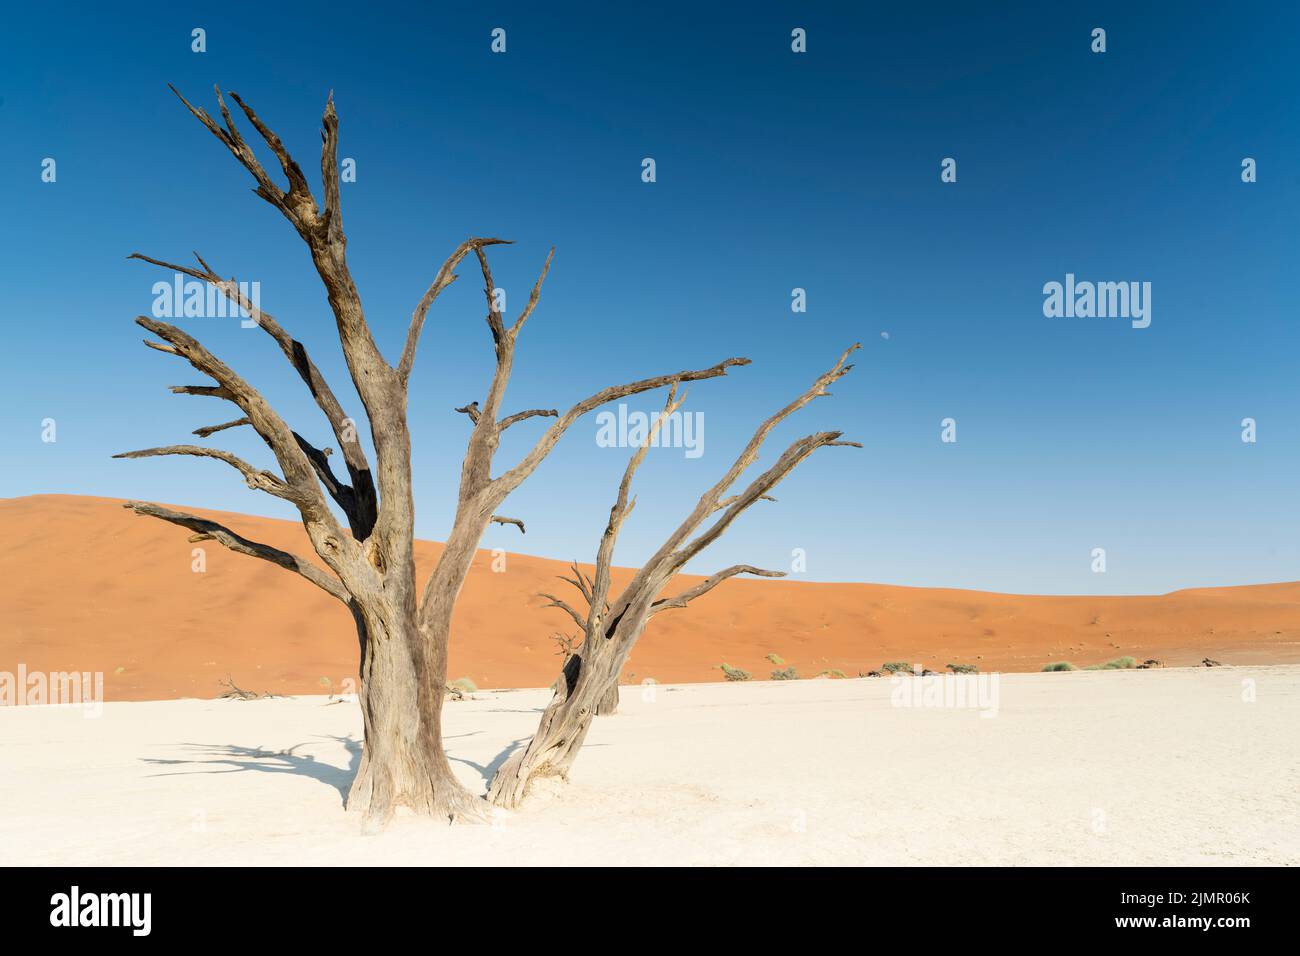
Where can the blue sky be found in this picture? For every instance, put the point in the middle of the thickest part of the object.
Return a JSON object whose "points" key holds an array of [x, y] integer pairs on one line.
{"points": [[774, 171]]}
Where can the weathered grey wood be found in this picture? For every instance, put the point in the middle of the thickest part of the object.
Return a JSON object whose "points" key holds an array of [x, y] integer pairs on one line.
{"points": [[212, 531], [208, 430], [256, 478], [531, 413], [358, 499], [708, 584], [445, 276], [588, 684]]}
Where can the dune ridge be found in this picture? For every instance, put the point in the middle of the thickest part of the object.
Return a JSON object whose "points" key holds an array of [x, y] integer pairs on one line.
{"points": [[88, 586]]}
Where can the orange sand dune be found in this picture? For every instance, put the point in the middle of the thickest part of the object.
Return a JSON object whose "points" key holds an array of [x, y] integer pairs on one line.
{"points": [[90, 586]]}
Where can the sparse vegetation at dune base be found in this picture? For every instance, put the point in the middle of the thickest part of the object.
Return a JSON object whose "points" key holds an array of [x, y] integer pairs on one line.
{"points": [[464, 684], [788, 672], [1118, 664], [1123, 663]]}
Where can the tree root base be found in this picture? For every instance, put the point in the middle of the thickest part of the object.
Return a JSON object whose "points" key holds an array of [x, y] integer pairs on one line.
{"points": [[467, 810]]}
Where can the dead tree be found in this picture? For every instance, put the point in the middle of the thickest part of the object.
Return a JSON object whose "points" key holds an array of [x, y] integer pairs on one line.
{"points": [[369, 566], [588, 685]]}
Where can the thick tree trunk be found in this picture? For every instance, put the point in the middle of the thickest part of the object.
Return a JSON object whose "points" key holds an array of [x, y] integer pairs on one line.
{"points": [[403, 764]]}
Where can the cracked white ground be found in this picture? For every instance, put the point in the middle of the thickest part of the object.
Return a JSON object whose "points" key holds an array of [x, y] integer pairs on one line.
{"points": [[1171, 766]]}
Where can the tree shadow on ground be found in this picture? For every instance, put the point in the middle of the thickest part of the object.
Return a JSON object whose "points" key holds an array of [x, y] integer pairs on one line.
{"points": [[234, 758], [488, 771]]}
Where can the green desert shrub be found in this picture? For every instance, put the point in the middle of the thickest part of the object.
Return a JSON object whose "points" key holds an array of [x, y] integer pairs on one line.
{"points": [[734, 673], [963, 668], [1118, 664], [832, 673], [787, 674], [464, 685], [1060, 666], [897, 667], [776, 659]]}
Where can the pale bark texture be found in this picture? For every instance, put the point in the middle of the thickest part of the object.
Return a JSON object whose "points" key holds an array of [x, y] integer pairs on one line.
{"points": [[403, 627], [588, 685]]}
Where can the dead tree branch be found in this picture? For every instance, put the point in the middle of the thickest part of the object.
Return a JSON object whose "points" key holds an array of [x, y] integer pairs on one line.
{"points": [[211, 530], [521, 416], [445, 276], [511, 479], [299, 474], [708, 584], [234, 692], [358, 499], [256, 478], [553, 601], [209, 430]]}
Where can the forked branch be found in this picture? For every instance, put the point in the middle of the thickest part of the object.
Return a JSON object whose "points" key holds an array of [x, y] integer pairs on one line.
{"points": [[357, 500], [757, 489], [579, 581], [299, 473], [708, 584], [445, 276], [373, 378], [553, 601], [667, 560], [511, 479], [623, 505]]}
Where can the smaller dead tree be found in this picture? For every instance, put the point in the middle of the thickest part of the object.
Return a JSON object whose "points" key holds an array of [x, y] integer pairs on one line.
{"points": [[588, 684]]}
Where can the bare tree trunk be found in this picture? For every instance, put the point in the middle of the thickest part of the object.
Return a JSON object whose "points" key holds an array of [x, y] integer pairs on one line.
{"points": [[581, 694], [403, 762]]}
